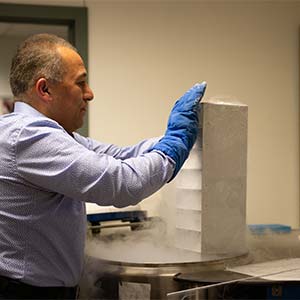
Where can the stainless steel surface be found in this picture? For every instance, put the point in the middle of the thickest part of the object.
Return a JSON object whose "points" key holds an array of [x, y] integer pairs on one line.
{"points": [[192, 291]]}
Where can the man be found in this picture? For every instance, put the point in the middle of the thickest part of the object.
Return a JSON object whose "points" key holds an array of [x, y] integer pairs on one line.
{"points": [[48, 171]]}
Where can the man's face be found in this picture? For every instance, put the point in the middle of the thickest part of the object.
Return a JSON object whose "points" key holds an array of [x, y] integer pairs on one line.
{"points": [[71, 96]]}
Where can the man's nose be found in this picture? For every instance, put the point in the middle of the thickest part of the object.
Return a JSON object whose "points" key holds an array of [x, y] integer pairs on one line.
{"points": [[88, 94]]}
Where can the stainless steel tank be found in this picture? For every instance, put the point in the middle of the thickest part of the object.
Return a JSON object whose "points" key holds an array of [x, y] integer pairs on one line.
{"points": [[116, 278], [137, 271], [123, 280]]}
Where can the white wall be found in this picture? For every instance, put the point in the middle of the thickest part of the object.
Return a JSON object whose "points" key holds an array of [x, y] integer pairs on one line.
{"points": [[145, 54]]}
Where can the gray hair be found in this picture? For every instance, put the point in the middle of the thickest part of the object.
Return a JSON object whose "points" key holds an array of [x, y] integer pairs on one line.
{"points": [[37, 57]]}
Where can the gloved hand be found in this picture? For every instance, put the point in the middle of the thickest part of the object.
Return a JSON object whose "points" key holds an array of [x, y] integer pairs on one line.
{"points": [[183, 127]]}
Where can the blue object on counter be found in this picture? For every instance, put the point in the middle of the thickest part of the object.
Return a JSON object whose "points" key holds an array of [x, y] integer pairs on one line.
{"points": [[134, 216], [275, 228]]}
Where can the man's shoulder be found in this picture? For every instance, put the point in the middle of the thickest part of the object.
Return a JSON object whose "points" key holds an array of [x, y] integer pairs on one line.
{"points": [[20, 125], [39, 122]]}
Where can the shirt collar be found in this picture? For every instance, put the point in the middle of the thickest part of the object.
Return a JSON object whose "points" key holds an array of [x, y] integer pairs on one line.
{"points": [[24, 108]]}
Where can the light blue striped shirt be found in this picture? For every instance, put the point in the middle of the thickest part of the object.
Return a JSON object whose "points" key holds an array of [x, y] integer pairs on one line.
{"points": [[46, 176]]}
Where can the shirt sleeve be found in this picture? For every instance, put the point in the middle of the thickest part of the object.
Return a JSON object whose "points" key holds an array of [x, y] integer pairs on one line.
{"points": [[49, 158], [115, 151]]}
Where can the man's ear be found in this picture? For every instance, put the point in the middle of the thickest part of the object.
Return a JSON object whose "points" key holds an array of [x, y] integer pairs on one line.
{"points": [[42, 90]]}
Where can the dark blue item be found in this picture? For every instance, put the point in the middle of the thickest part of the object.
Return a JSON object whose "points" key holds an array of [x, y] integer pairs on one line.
{"points": [[253, 288], [14, 289], [183, 127], [284, 290]]}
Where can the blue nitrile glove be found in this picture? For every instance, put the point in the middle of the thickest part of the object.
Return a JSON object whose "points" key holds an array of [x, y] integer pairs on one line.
{"points": [[183, 127]]}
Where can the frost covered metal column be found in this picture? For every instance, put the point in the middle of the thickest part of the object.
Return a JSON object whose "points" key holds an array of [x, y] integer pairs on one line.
{"points": [[224, 177], [215, 177]]}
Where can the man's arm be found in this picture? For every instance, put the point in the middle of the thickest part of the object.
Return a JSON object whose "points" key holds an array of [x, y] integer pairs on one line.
{"points": [[114, 150], [49, 158]]}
